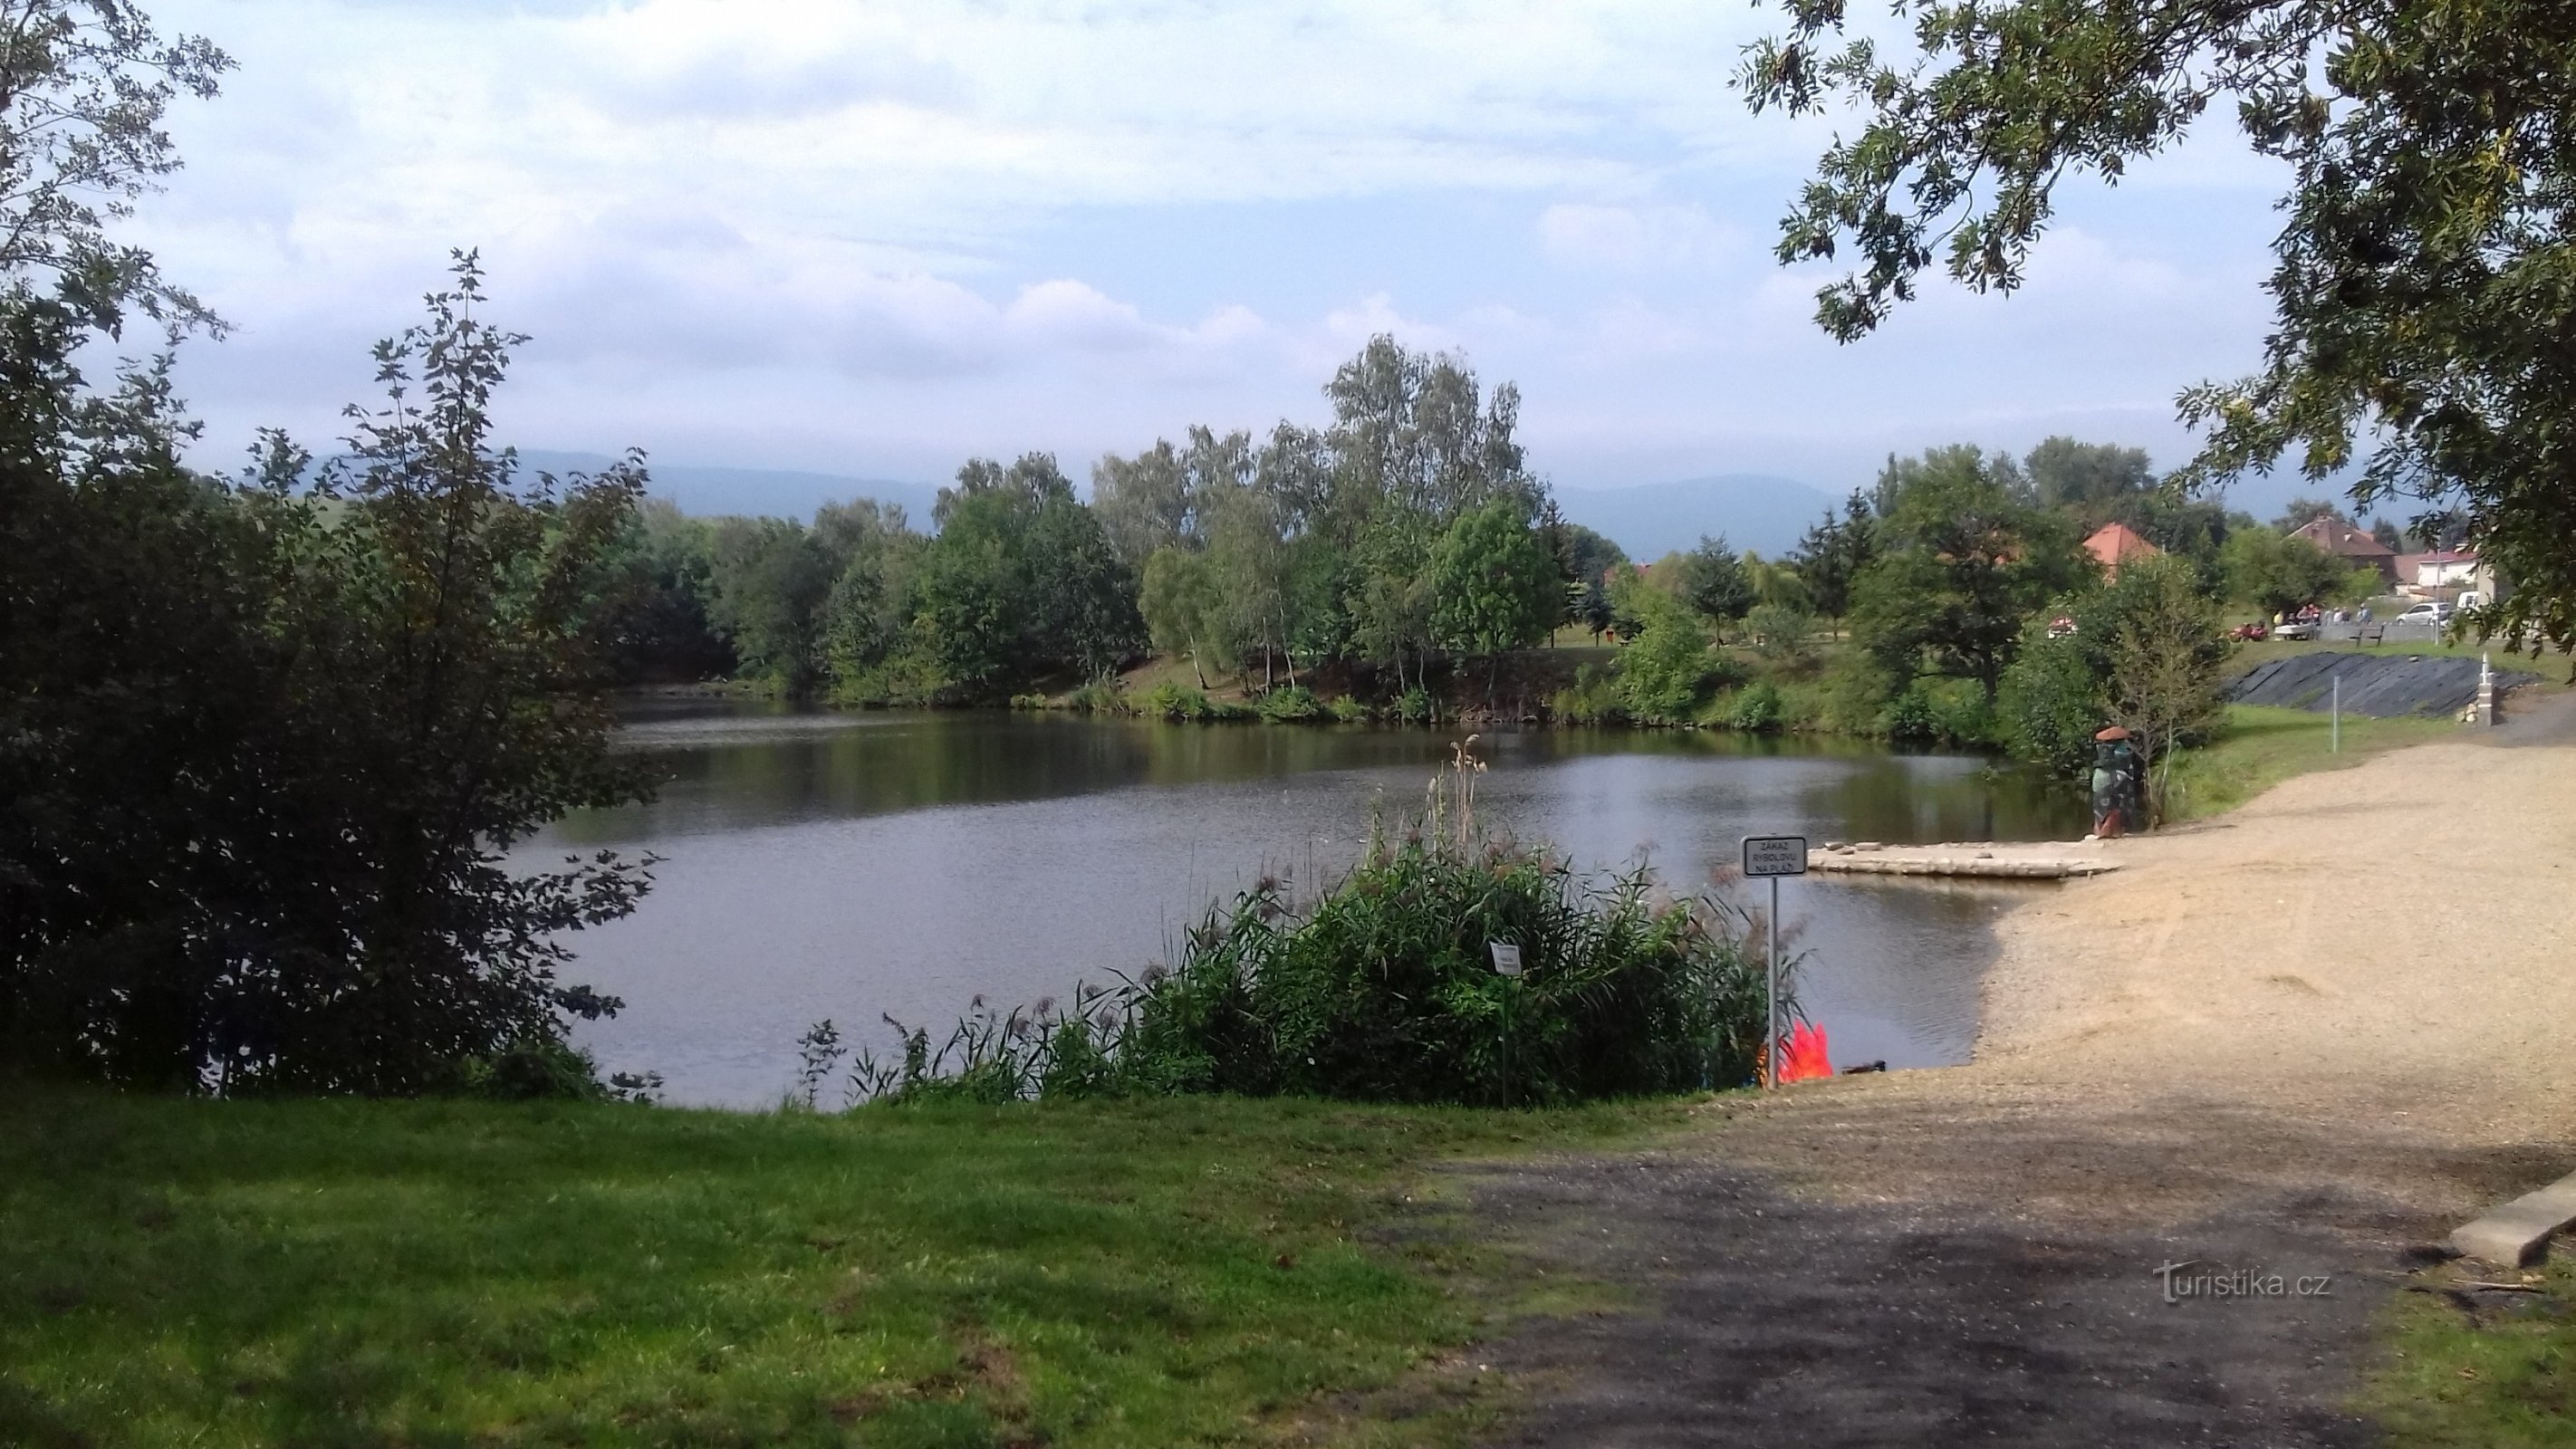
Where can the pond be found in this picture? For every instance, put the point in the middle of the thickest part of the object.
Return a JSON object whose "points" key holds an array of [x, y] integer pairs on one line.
{"points": [[860, 865]]}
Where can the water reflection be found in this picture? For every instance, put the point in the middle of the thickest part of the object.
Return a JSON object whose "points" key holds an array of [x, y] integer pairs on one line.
{"points": [[853, 864]]}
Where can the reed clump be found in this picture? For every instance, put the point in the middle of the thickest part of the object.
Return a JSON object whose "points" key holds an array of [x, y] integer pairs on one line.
{"points": [[1382, 988]]}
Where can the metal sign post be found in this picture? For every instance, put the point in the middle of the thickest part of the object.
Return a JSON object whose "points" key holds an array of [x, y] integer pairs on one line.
{"points": [[1507, 965], [1771, 857]]}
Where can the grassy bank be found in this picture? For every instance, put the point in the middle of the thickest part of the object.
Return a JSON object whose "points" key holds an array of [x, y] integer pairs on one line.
{"points": [[345, 1272], [2263, 746], [2496, 1374]]}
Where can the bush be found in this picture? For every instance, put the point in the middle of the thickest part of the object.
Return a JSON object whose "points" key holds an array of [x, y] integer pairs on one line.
{"points": [[1171, 701], [2052, 701], [1594, 699], [1351, 711], [1780, 634], [1962, 716], [1028, 701], [1664, 675], [1911, 715], [1383, 990], [1757, 710], [1101, 696], [1416, 706], [1292, 704]]}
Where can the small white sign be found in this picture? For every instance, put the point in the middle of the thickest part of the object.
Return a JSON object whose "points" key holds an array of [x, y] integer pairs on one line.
{"points": [[1775, 855], [1507, 958]]}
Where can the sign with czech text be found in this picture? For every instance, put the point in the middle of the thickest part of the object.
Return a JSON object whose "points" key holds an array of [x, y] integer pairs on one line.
{"points": [[1775, 855]]}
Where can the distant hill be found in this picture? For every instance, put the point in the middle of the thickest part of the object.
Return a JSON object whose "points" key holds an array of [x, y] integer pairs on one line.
{"points": [[1653, 519], [779, 494]]}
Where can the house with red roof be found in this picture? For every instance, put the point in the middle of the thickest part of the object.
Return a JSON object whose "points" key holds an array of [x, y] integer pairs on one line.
{"points": [[2114, 544], [2355, 545]]}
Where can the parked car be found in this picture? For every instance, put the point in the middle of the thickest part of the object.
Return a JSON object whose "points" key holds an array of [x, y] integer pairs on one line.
{"points": [[2432, 612], [2249, 631], [2295, 629]]}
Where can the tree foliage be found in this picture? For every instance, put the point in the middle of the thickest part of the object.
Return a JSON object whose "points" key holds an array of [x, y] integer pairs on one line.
{"points": [[1964, 561], [2425, 284]]}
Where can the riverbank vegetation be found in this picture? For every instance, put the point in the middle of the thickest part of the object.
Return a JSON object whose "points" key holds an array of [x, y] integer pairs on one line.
{"points": [[1383, 987], [179, 1271]]}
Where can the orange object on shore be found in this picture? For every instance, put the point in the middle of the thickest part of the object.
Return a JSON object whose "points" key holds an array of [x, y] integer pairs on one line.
{"points": [[1805, 1057]]}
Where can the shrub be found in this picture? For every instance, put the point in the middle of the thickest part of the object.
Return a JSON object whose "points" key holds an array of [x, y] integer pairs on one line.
{"points": [[1101, 696], [1028, 701], [1595, 698], [1961, 716], [1382, 990], [1171, 701], [1352, 711], [1292, 704], [1417, 707], [1757, 710], [1665, 673], [1911, 715]]}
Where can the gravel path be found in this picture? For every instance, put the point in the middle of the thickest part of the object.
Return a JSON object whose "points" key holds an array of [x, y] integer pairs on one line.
{"points": [[2305, 1039]]}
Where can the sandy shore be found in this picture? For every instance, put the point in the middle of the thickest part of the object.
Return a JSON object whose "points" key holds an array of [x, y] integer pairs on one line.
{"points": [[2308, 1038]]}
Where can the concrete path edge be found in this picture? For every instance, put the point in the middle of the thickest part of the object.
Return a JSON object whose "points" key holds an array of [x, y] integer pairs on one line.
{"points": [[2517, 1233]]}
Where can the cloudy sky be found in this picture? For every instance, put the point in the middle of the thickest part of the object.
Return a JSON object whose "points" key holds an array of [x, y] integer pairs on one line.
{"points": [[877, 238]]}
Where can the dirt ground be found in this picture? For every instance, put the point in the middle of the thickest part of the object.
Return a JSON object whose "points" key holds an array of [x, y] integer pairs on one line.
{"points": [[2259, 1048]]}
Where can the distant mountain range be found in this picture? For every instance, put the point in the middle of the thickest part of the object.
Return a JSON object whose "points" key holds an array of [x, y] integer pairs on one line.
{"points": [[1648, 520], [777, 493]]}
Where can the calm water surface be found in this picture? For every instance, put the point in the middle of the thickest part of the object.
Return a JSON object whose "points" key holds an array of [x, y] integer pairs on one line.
{"points": [[859, 865]]}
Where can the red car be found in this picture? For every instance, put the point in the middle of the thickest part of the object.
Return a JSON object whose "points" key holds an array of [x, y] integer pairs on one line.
{"points": [[2249, 631]]}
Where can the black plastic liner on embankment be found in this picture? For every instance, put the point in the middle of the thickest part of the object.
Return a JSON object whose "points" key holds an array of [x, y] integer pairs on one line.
{"points": [[2382, 686]]}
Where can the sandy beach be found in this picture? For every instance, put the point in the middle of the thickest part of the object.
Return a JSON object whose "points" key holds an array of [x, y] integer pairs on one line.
{"points": [[2310, 1036]]}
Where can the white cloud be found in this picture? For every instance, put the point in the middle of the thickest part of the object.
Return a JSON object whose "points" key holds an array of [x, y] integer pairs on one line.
{"points": [[1632, 239], [844, 236]]}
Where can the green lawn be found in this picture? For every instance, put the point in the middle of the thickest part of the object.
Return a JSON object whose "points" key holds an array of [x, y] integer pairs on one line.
{"points": [[422, 1273], [2505, 1379], [2263, 746]]}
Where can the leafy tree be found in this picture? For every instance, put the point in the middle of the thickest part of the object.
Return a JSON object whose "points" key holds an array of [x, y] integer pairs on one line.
{"points": [[1082, 605], [1415, 433], [1390, 596], [1835, 552], [2299, 512], [1965, 562], [1020, 579], [657, 622], [2065, 473], [445, 695], [1664, 666], [2278, 574], [397, 668], [1586, 558], [770, 581], [1494, 585], [2145, 652], [1144, 502], [2167, 662], [2426, 282], [2389, 535], [1183, 611], [1713, 581]]}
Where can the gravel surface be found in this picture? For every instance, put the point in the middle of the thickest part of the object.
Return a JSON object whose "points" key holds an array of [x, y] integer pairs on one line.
{"points": [[2304, 1039]]}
